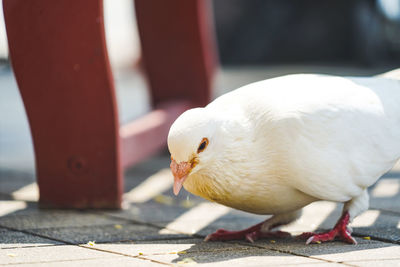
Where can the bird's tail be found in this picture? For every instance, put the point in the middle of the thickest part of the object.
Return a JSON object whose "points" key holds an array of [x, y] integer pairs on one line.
{"points": [[393, 74]]}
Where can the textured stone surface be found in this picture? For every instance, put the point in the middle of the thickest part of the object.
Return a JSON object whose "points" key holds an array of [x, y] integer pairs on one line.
{"points": [[104, 233], [375, 263], [178, 251], [241, 257], [172, 246], [33, 218], [50, 254], [98, 262], [151, 211], [15, 239], [338, 251], [385, 194], [11, 181], [158, 209]]}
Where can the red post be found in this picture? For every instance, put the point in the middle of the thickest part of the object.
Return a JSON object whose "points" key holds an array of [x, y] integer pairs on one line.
{"points": [[60, 61], [178, 49], [146, 135]]}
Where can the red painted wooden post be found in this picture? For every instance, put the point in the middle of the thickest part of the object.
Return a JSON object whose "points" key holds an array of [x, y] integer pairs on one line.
{"points": [[178, 48], [59, 57], [179, 55], [60, 62], [146, 135]]}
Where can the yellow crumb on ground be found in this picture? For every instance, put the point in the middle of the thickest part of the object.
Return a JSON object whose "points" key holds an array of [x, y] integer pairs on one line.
{"points": [[118, 226], [272, 241], [318, 242], [188, 261], [182, 252], [140, 253], [91, 243], [367, 237], [187, 203], [12, 255], [167, 200]]}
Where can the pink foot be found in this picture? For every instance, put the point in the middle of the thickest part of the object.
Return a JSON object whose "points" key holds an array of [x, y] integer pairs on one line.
{"points": [[250, 234], [341, 230]]}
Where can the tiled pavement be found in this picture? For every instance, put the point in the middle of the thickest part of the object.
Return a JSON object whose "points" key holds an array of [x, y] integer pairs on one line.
{"points": [[155, 228], [158, 228]]}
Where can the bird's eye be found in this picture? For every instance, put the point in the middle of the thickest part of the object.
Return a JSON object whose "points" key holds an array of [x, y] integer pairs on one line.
{"points": [[203, 145]]}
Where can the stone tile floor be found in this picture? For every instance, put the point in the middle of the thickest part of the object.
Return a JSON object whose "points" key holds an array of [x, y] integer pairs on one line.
{"points": [[155, 228]]}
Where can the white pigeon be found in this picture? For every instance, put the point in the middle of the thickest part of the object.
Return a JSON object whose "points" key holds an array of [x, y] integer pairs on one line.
{"points": [[275, 146]]}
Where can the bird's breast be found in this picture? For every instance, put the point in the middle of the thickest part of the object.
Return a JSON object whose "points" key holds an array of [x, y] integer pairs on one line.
{"points": [[259, 196]]}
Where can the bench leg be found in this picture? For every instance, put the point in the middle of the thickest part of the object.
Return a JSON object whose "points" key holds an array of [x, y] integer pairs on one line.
{"points": [[60, 61], [178, 49]]}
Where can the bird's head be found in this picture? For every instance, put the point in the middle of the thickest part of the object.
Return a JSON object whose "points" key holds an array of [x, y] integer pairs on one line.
{"points": [[192, 140]]}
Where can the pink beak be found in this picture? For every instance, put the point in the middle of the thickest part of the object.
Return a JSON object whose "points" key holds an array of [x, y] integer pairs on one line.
{"points": [[180, 171]]}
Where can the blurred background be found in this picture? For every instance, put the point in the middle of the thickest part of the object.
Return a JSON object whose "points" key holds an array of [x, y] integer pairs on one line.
{"points": [[256, 40], [268, 32], [362, 32]]}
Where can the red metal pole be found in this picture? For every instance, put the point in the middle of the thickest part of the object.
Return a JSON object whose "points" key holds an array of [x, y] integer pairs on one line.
{"points": [[60, 61]]}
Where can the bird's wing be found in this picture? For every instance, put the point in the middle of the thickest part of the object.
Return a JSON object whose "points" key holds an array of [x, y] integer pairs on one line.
{"points": [[334, 136]]}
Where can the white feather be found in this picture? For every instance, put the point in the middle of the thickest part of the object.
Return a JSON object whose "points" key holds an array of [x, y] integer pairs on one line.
{"points": [[279, 144]]}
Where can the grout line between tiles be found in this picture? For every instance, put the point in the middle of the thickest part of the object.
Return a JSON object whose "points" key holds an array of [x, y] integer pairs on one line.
{"points": [[33, 246], [82, 246], [126, 255]]}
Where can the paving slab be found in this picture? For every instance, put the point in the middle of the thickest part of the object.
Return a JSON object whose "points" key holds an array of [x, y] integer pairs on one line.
{"points": [[50, 254], [375, 263], [385, 194], [215, 253], [34, 218], [137, 174], [323, 215], [171, 246], [102, 262], [317, 216], [337, 251], [243, 257], [151, 212], [13, 180], [16, 239], [104, 233]]}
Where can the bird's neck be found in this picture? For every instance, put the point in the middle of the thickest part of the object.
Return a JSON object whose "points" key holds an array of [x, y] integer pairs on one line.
{"points": [[205, 186]]}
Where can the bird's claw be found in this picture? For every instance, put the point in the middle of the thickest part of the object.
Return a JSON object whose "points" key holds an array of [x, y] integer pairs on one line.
{"points": [[251, 237], [341, 230], [329, 236], [208, 238], [216, 235]]}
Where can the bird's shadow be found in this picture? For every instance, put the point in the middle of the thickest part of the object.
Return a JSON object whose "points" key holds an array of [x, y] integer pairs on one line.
{"points": [[368, 238], [212, 252]]}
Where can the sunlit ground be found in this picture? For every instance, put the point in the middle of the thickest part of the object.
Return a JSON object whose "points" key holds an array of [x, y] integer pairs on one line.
{"points": [[158, 226]]}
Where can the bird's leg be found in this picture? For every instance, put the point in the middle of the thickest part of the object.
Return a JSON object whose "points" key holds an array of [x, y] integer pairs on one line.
{"points": [[250, 234], [258, 231], [341, 230]]}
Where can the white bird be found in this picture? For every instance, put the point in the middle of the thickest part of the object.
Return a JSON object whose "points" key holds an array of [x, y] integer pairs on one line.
{"points": [[275, 146]]}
